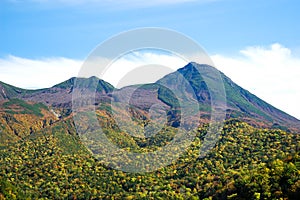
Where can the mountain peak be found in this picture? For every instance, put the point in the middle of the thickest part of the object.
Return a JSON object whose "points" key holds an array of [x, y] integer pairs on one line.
{"points": [[186, 83], [240, 102], [194, 65], [86, 83]]}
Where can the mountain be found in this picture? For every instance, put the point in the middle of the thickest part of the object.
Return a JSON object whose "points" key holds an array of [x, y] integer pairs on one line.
{"points": [[23, 112], [8, 91], [240, 103], [43, 157], [185, 85], [59, 95]]}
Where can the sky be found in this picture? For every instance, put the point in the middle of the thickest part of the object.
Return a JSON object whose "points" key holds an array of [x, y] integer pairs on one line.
{"points": [[255, 43]]}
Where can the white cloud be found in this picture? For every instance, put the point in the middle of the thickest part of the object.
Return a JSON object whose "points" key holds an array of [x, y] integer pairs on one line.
{"points": [[141, 67], [27, 73], [272, 73], [42, 73]]}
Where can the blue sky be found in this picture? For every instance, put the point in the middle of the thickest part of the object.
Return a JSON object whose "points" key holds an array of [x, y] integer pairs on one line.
{"points": [[41, 28], [256, 43]]}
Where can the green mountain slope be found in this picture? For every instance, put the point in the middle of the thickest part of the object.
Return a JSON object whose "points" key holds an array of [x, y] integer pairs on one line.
{"points": [[8, 91], [100, 85], [240, 102]]}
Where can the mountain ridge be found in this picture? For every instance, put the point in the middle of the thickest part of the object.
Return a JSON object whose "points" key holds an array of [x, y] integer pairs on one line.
{"points": [[241, 103]]}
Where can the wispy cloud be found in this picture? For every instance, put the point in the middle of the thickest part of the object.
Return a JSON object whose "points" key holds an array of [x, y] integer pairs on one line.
{"points": [[272, 73], [31, 74], [41, 73], [142, 67]]}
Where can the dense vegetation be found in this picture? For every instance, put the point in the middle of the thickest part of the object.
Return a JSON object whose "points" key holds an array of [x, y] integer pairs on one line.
{"points": [[247, 163], [22, 107]]}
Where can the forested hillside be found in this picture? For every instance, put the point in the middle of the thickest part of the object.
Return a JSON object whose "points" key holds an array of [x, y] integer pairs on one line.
{"points": [[247, 163], [46, 153]]}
